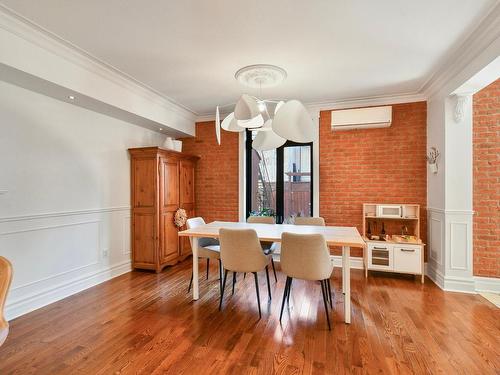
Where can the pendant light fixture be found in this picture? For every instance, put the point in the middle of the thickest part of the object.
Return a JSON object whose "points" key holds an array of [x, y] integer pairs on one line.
{"points": [[290, 120]]}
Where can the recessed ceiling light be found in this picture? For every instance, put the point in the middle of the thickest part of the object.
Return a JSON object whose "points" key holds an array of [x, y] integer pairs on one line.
{"points": [[71, 97], [161, 129]]}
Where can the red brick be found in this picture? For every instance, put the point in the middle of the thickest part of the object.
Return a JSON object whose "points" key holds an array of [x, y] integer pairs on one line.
{"points": [[486, 185]]}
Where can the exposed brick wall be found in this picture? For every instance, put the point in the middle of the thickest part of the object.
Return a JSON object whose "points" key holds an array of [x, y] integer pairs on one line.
{"points": [[373, 166], [356, 167], [216, 173], [486, 172]]}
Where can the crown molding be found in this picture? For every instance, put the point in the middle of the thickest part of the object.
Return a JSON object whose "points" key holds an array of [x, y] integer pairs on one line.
{"points": [[36, 35], [483, 37], [365, 101], [315, 107]]}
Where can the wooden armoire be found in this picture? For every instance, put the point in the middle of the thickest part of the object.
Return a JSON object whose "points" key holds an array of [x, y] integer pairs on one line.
{"points": [[162, 181]]}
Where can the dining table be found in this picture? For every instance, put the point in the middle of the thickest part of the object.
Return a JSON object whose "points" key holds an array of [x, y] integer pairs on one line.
{"points": [[344, 237]]}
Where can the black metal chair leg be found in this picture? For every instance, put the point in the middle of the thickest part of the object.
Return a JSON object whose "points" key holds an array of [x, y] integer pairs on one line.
{"points": [[274, 270], [330, 293], [222, 291], [220, 274], [234, 282], [190, 282], [257, 289], [324, 292], [208, 266], [268, 283], [285, 292], [289, 291]]}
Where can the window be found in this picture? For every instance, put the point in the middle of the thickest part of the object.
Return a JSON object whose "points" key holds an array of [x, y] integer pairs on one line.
{"points": [[279, 182]]}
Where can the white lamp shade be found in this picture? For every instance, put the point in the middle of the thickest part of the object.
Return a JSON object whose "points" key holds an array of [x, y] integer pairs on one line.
{"points": [[255, 122], [267, 127], [246, 108], [230, 124], [267, 140], [278, 106], [217, 125], [294, 123]]}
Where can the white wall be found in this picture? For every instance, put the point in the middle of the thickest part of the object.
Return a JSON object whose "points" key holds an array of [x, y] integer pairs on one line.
{"points": [[64, 196]]}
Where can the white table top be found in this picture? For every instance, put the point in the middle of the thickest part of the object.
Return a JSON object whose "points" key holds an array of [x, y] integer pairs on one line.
{"points": [[334, 236]]}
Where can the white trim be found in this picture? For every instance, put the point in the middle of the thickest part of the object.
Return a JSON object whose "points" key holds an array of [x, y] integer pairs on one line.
{"points": [[45, 215], [241, 176], [34, 33], [49, 227], [355, 262], [487, 284], [480, 38], [64, 69], [316, 107], [366, 101], [456, 212], [483, 36], [50, 295], [474, 284], [315, 164]]}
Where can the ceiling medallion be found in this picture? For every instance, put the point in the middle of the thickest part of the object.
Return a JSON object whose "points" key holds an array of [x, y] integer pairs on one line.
{"points": [[275, 120], [260, 76]]}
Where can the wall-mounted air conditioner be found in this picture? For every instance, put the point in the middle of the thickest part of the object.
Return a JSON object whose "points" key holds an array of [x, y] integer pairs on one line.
{"points": [[362, 118]]}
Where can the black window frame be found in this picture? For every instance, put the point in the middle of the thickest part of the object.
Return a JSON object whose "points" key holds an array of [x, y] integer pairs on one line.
{"points": [[280, 180]]}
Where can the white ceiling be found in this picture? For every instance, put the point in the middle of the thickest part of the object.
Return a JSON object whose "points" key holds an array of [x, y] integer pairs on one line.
{"points": [[332, 49]]}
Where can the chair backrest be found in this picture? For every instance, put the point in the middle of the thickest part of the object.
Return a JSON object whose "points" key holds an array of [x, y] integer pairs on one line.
{"points": [[305, 256], [194, 222], [202, 241], [5, 280], [240, 250], [302, 220], [261, 220]]}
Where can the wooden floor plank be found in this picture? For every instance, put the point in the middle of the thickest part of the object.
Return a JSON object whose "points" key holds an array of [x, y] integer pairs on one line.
{"points": [[146, 323]]}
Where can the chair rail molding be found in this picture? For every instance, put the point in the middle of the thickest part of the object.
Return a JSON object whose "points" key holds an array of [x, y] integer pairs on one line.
{"points": [[57, 254]]}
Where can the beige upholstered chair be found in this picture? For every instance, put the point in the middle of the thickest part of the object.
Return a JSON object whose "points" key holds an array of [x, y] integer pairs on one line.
{"points": [[5, 280], [306, 257], [302, 220], [208, 248], [240, 251], [267, 246], [261, 219]]}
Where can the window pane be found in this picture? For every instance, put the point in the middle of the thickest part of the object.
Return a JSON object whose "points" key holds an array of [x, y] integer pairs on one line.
{"points": [[297, 182], [263, 182]]}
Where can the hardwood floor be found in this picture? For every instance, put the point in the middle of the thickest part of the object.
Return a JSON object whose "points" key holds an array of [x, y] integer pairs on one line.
{"points": [[146, 323]]}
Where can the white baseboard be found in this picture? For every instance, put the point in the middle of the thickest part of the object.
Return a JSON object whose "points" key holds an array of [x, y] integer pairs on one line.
{"points": [[356, 262], [474, 284], [53, 294], [487, 284]]}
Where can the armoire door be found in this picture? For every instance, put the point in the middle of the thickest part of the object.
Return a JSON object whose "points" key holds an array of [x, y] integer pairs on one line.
{"points": [[143, 212], [169, 203], [187, 199]]}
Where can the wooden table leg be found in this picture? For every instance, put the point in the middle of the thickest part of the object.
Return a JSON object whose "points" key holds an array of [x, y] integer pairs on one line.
{"points": [[346, 273], [196, 293]]}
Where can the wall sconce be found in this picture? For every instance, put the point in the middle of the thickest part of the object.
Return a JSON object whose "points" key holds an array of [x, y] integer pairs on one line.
{"points": [[432, 158]]}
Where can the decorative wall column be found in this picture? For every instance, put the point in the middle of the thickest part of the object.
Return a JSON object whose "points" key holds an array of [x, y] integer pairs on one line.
{"points": [[450, 194], [458, 193]]}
